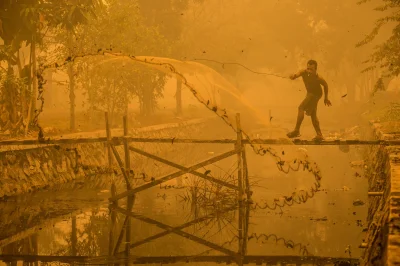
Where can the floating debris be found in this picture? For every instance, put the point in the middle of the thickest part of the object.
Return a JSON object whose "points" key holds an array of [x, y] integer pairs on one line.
{"points": [[357, 163], [319, 219], [358, 202], [345, 188]]}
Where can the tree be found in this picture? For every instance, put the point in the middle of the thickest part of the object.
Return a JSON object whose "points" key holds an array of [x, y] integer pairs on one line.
{"points": [[167, 15], [79, 13], [109, 84], [386, 54], [19, 23], [27, 22]]}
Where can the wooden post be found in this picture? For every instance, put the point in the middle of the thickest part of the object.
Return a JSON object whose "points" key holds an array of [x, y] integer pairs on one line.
{"points": [[246, 173], [126, 149], [246, 228], [130, 203], [108, 139], [113, 220], [239, 147]]}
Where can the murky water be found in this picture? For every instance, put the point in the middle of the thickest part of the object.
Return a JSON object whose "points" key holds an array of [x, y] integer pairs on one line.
{"points": [[77, 220]]}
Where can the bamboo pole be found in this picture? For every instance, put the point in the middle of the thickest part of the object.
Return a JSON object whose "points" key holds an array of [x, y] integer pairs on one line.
{"points": [[112, 221], [253, 259], [181, 227], [180, 167], [121, 165], [246, 173], [126, 148], [246, 229], [239, 148], [178, 232], [129, 199], [173, 175], [121, 236], [108, 132], [110, 148], [125, 227], [130, 203], [120, 140], [282, 141]]}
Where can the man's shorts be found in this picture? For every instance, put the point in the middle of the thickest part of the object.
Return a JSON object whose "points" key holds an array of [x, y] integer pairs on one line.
{"points": [[310, 103]]}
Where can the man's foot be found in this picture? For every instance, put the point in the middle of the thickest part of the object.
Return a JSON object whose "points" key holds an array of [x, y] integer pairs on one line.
{"points": [[318, 138], [293, 134]]}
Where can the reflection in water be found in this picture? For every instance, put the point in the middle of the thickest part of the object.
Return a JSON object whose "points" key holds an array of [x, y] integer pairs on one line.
{"points": [[116, 234], [200, 223], [263, 238]]}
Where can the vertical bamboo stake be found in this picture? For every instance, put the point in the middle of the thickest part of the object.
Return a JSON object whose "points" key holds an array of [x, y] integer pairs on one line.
{"points": [[245, 213], [108, 139], [130, 200], [130, 203], [126, 149], [112, 221], [239, 147], [246, 229], [246, 173]]}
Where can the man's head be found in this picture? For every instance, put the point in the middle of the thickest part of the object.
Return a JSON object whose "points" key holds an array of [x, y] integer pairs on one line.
{"points": [[312, 66]]}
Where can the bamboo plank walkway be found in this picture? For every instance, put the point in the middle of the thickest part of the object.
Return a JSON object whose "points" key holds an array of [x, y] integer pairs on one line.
{"points": [[120, 140], [270, 260]]}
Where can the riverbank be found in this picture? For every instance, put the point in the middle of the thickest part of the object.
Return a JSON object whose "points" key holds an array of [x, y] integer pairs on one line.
{"points": [[382, 242], [36, 167]]}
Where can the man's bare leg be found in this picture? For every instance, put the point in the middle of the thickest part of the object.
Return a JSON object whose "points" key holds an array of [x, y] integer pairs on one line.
{"points": [[315, 122], [300, 118]]}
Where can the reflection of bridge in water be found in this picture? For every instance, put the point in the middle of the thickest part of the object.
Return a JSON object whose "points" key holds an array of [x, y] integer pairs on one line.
{"points": [[122, 250]]}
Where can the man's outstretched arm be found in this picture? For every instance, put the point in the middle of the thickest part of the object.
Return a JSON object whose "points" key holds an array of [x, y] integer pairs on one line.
{"points": [[326, 91], [298, 74]]}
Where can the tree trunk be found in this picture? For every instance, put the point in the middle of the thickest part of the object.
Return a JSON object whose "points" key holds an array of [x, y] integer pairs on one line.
{"points": [[108, 104], [71, 96], [49, 84], [363, 84], [74, 237], [113, 103], [33, 85], [351, 91], [147, 102], [178, 96], [34, 78], [12, 95], [23, 89], [386, 81], [71, 86], [126, 102]]}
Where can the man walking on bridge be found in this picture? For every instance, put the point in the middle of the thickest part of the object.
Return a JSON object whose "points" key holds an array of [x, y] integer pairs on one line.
{"points": [[313, 83]]}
